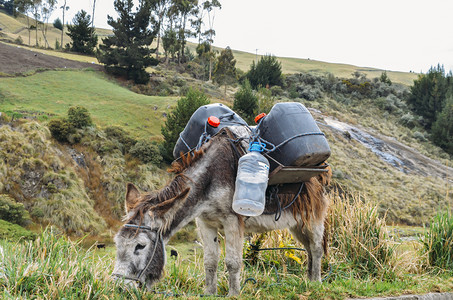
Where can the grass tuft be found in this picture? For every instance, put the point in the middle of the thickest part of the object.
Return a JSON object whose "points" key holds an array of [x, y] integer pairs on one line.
{"points": [[359, 237], [438, 241]]}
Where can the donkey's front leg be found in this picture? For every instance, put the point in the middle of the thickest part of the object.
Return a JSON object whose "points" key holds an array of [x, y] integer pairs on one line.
{"points": [[234, 239], [208, 235]]}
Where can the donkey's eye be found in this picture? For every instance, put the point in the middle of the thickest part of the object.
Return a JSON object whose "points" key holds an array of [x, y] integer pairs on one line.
{"points": [[138, 248]]}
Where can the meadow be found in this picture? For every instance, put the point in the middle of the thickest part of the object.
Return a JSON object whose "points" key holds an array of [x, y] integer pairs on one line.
{"points": [[364, 261], [48, 94]]}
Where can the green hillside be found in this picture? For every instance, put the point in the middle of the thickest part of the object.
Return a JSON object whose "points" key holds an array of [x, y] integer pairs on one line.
{"points": [[14, 28], [52, 93]]}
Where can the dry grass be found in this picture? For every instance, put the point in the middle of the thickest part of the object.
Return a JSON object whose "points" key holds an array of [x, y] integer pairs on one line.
{"points": [[38, 175]]}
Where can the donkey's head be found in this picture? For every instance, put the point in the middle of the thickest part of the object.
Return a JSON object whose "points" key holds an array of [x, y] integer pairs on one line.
{"points": [[140, 255]]}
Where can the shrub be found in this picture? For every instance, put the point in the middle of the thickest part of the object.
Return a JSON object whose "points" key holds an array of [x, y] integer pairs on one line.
{"points": [[79, 117], [119, 134], [147, 152], [12, 211], [408, 120], [14, 232], [384, 78], [60, 129], [246, 102], [265, 101], [419, 136], [19, 41], [438, 241]]}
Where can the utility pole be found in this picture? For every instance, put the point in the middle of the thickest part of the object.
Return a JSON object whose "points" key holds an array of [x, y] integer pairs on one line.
{"points": [[256, 56]]}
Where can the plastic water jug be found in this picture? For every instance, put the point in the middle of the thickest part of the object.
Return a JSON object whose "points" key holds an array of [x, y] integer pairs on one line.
{"points": [[191, 134], [251, 183], [292, 122]]}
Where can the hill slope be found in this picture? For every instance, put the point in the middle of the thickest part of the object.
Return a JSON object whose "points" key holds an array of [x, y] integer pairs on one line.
{"points": [[13, 28], [407, 193]]}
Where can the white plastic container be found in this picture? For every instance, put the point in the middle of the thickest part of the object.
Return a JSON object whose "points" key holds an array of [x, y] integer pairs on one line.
{"points": [[251, 183]]}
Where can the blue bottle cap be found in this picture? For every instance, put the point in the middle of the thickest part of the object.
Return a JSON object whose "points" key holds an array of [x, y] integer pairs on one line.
{"points": [[255, 146]]}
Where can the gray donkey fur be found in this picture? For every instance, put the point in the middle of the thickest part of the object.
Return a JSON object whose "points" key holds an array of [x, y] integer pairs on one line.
{"points": [[203, 189]]}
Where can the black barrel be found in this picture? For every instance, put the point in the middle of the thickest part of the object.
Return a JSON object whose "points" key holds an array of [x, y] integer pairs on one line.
{"points": [[292, 122], [190, 136]]}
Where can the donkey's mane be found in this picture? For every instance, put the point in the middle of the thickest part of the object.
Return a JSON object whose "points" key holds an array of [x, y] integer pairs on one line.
{"points": [[172, 189], [185, 161]]}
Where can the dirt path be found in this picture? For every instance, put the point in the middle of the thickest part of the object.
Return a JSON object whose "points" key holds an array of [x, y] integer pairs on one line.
{"points": [[17, 60]]}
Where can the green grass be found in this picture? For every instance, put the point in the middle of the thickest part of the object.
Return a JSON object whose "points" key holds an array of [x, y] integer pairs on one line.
{"points": [[438, 241], [53, 92], [59, 268]]}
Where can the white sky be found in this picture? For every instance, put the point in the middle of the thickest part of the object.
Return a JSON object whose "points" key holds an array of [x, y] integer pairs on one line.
{"points": [[398, 35]]}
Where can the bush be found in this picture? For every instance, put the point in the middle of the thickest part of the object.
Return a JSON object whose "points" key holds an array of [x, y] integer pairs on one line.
{"points": [[12, 211], [438, 241], [19, 41], [246, 102], [147, 152], [14, 232], [79, 117], [419, 136], [60, 129], [119, 134], [408, 120], [265, 101]]}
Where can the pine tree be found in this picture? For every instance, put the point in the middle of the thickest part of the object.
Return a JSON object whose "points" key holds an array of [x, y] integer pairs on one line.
{"points": [[428, 94], [178, 118], [127, 52], [267, 72], [225, 70], [83, 37], [442, 131]]}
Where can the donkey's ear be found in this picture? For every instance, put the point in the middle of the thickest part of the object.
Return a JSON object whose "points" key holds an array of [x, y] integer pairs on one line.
{"points": [[170, 206], [132, 196]]}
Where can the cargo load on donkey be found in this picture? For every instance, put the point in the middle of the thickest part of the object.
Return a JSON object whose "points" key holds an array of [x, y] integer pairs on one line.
{"points": [[285, 149]]}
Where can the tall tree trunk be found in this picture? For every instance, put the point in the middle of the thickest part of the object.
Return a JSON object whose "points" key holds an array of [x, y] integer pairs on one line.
{"points": [[36, 32], [44, 34], [158, 42], [92, 18], [62, 30], [210, 67], [29, 31]]}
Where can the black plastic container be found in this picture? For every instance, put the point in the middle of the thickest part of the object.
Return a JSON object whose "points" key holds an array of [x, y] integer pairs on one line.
{"points": [[198, 122], [287, 120]]}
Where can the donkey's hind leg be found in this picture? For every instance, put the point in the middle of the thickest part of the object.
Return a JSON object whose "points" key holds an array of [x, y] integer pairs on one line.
{"points": [[211, 252], [312, 239]]}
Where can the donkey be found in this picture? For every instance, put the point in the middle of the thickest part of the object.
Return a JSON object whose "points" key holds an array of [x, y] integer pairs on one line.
{"points": [[203, 189]]}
